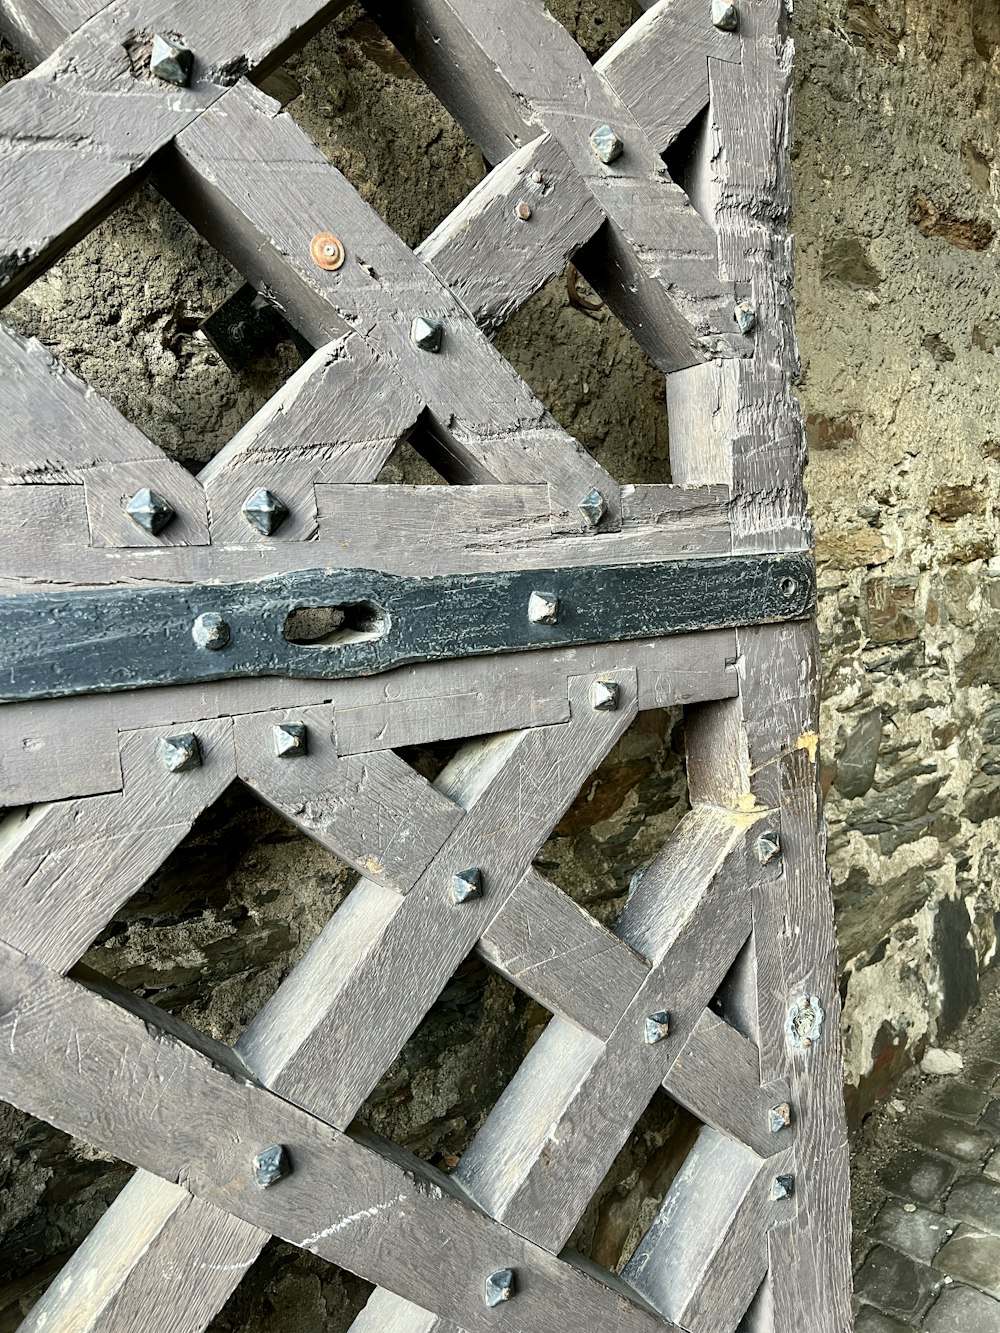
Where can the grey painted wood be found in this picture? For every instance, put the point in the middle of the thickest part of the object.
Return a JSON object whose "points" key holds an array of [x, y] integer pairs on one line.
{"points": [[37, 27], [66, 868], [388, 957], [71, 1054], [554, 950], [254, 183]]}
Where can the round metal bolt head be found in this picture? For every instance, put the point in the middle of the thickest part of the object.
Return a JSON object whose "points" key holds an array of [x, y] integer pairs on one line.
{"points": [[725, 15], [537, 177], [170, 61], [210, 631], [768, 847], [149, 511], [265, 512], [606, 145], [657, 1027], [523, 210], [605, 696], [467, 885], [543, 608], [782, 1187], [180, 753], [746, 318], [500, 1287], [327, 251], [427, 334], [779, 1118], [271, 1165], [291, 740], [593, 507]]}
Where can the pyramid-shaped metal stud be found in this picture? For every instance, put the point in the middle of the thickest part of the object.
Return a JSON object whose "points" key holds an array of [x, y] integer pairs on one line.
{"points": [[605, 696], [291, 740], [657, 1027], [149, 511], [779, 1118], [768, 847], [500, 1287], [271, 1165], [467, 885], [180, 753], [265, 511], [782, 1187], [427, 334], [170, 61], [606, 145], [746, 318], [593, 507], [725, 15], [543, 608], [210, 632]]}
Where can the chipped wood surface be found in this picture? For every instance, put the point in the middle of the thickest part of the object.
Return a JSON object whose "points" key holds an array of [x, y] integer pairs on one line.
{"points": [[705, 936]]}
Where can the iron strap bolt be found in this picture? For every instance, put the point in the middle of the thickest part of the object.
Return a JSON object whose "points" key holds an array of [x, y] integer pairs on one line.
{"points": [[605, 144], [605, 696], [467, 885], [593, 507], [291, 740], [779, 1118], [170, 61], [500, 1287], [210, 632], [271, 1165], [149, 511], [427, 334], [725, 15], [180, 753], [327, 251], [543, 608], [768, 847], [782, 1187], [657, 1027], [265, 512]]}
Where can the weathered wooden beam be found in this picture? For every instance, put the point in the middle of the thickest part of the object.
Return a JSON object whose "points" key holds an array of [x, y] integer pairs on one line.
{"points": [[37, 27], [78, 1060], [233, 175]]}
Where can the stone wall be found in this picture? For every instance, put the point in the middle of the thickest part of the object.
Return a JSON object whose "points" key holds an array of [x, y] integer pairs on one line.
{"points": [[899, 320]]}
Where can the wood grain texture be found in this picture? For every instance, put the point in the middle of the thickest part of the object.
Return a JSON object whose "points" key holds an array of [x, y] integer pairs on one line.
{"points": [[37, 27], [254, 184], [360, 1204], [66, 868]]}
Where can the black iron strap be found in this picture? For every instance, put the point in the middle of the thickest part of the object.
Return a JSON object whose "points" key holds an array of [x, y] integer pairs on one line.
{"points": [[84, 642]]}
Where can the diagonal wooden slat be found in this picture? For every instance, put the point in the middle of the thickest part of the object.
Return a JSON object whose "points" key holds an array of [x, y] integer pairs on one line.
{"points": [[208, 1123], [257, 187]]}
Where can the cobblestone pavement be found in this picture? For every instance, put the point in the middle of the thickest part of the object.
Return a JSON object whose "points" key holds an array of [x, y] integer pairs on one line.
{"points": [[927, 1197]]}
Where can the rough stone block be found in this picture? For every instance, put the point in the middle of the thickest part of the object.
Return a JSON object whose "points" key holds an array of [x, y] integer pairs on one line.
{"points": [[951, 1137], [962, 1310], [991, 1116], [961, 1100], [918, 1176], [977, 1200], [972, 1256], [870, 1320], [891, 610], [919, 1233], [896, 1284]]}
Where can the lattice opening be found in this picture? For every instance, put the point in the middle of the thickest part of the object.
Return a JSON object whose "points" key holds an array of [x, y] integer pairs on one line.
{"points": [[594, 30]]}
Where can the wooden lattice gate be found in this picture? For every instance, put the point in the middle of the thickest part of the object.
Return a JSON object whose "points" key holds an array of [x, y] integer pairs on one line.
{"points": [[718, 982]]}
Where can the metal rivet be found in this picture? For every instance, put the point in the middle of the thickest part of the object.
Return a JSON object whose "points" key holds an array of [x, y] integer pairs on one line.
{"points": [[725, 15], [537, 177], [782, 1187], [768, 847], [271, 1165], [779, 1118], [327, 251], [500, 1287], [180, 753], [523, 211], [543, 608], [746, 318], [426, 334], [265, 511], [170, 61], [805, 1022], [149, 511], [593, 507], [291, 740], [210, 631], [467, 885], [605, 696], [657, 1027], [605, 144]]}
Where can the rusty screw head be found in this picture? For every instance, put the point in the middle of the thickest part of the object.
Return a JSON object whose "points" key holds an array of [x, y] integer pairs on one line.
{"points": [[327, 251], [523, 210]]}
